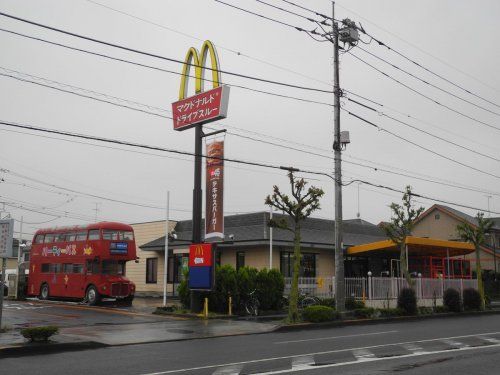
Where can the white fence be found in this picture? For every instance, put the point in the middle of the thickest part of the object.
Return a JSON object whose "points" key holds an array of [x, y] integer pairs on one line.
{"points": [[379, 288]]}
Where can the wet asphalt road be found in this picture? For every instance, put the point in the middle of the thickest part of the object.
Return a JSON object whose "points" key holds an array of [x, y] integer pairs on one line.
{"points": [[461, 345]]}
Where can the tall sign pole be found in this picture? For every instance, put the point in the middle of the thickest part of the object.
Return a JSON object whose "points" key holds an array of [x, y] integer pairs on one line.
{"points": [[6, 241], [165, 264], [339, 252]]}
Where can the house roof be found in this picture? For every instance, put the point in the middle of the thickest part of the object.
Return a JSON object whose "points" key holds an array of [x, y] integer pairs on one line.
{"points": [[462, 216], [252, 230]]}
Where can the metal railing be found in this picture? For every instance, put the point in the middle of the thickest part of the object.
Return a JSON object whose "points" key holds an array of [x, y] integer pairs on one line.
{"points": [[379, 288]]}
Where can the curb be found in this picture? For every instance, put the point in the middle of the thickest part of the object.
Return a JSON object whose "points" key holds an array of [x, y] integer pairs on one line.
{"points": [[355, 322], [47, 348]]}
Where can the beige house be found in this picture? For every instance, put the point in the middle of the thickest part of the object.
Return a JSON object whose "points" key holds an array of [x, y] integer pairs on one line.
{"points": [[247, 243], [441, 222]]}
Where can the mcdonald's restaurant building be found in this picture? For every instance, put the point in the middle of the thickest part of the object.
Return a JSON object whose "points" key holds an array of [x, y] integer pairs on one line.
{"points": [[247, 243]]}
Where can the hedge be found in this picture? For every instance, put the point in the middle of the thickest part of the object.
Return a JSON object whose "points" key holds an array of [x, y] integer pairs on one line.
{"points": [[451, 299], [472, 299], [407, 301], [318, 314], [39, 333]]}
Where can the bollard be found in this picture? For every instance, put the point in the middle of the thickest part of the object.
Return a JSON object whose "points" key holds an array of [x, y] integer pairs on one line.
{"points": [[230, 307], [205, 309]]}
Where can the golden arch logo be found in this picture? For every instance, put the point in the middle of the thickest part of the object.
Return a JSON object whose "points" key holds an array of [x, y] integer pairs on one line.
{"points": [[204, 106], [198, 60], [198, 251]]}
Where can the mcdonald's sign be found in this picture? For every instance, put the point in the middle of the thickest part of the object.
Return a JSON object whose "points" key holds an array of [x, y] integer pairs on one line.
{"points": [[200, 255], [204, 106]]}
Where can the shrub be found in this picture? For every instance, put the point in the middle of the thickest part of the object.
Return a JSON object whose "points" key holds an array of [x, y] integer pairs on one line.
{"points": [[270, 286], [225, 285], [330, 302], [424, 310], [390, 312], [245, 277], [407, 301], [184, 292], [472, 299], [451, 299], [441, 309], [317, 314], [353, 304], [39, 333], [364, 313]]}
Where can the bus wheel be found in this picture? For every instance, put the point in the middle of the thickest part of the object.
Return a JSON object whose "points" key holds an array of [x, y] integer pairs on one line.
{"points": [[92, 296], [44, 291]]}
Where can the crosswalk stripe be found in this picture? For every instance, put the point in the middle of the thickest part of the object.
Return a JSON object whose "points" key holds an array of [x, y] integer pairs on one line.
{"points": [[455, 344], [490, 340], [228, 370], [414, 348], [302, 362], [363, 355]]}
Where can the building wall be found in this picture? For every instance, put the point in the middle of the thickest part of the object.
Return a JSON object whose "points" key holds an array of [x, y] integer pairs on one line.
{"points": [[144, 233], [445, 228]]}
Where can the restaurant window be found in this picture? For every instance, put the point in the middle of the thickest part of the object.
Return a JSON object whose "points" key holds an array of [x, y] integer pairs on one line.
{"points": [[240, 259], [151, 270], [307, 264]]}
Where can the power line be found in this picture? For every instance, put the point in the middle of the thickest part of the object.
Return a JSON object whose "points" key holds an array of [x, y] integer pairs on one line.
{"points": [[236, 52], [420, 146], [149, 54], [423, 131], [160, 69], [423, 95], [263, 165], [428, 83]]}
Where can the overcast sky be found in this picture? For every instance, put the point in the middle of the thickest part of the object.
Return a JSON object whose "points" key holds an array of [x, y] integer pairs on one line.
{"points": [[455, 39]]}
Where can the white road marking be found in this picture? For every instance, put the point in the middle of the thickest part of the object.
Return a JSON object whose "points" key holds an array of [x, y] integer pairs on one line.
{"points": [[334, 351], [363, 355], [491, 340], [228, 370], [455, 344], [335, 337], [303, 361], [23, 306], [378, 359], [414, 348]]}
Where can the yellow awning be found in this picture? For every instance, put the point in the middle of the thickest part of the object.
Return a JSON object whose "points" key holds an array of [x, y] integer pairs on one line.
{"points": [[417, 246]]}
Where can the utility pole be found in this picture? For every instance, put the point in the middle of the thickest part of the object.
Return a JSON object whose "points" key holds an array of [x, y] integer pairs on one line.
{"points": [[165, 265], [339, 251], [19, 257]]}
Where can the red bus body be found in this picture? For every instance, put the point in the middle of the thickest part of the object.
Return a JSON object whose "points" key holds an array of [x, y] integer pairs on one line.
{"points": [[71, 260]]}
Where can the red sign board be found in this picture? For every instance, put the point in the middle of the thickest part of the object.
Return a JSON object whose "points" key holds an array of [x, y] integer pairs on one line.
{"points": [[200, 255], [214, 212], [201, 108]]}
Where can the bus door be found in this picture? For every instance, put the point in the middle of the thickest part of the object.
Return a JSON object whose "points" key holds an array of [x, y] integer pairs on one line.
{"points": [[54, 279], [75, 280]]}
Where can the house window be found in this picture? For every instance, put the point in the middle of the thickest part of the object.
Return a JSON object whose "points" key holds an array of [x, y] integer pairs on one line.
{"points": [[307, 264], [437, 216], [240, 259], [151, 270]]}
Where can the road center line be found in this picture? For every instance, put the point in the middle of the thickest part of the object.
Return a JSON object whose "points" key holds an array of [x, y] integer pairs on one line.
{"points": [[334, 351], [335, 337]]}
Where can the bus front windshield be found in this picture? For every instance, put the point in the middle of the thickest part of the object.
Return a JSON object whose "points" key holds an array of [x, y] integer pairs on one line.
{"points": [[113, 267]]}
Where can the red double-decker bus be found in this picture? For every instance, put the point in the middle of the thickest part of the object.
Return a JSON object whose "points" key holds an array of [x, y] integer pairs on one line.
{"points": [[82, 262]]}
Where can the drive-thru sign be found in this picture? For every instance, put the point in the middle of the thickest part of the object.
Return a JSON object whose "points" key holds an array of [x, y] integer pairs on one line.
{"points": [[201, 266]]}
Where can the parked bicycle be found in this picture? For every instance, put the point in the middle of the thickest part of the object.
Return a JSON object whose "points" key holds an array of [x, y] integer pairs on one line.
{"points": [[251, 304], [304, 300]]}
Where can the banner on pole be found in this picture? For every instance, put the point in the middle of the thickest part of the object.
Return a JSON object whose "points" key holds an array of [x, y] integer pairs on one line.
{"points": [[6, 238], [214, 210]]}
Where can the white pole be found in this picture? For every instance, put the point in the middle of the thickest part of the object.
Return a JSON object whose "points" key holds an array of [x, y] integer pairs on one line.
{"points": [[270, 240], [18, 276], [165, 265]]}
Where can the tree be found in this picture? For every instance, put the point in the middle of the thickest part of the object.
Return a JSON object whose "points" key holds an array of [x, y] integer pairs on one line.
{"points": [[299, 207], [477, 236], [400, 227]]}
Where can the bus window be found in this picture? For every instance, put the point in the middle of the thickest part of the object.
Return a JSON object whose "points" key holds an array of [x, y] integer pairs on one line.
{"points": [[39, 238], [81, 236], [94, 234], [55, 268], [71, 237], [92, 266], [67, 268], [45, 267], [126, 236], [110, 235], [61, 237], [49, 238], [77, 268], [113, 267]]}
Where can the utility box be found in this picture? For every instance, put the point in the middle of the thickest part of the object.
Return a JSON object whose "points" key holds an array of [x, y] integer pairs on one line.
{"points": [[344, 138], [349, 35]]}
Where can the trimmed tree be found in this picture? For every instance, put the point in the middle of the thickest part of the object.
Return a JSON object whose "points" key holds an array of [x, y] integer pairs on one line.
{"points": [[299, 207], [400, 227], [476, 236]]}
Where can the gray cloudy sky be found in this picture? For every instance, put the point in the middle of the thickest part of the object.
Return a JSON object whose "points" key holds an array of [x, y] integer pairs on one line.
{"points": [[463, 35]]}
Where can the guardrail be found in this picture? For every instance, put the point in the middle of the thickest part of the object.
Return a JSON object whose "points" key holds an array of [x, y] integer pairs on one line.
{"points": [[379, 288]]}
